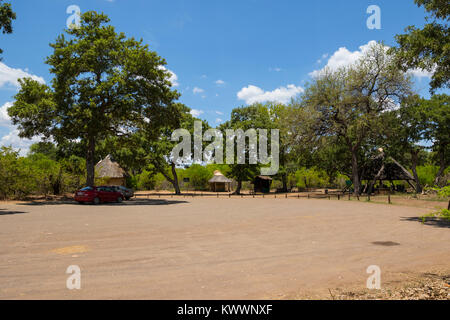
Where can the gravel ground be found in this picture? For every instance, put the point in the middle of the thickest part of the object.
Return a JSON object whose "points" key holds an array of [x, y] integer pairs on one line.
{"points": [[428, 286]]}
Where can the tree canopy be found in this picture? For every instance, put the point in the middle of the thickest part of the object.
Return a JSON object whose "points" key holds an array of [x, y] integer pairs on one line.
{"points": [[104, 84], [7, 15], [428, 48]]}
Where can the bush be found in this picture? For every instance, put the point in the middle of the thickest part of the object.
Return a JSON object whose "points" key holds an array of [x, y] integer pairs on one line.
{"points": [[198, 177], [311, 178]]}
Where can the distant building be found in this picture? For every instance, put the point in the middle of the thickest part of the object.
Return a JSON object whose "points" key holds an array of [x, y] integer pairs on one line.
{"points": [[110, 171], [262, 184], [220, 183]]}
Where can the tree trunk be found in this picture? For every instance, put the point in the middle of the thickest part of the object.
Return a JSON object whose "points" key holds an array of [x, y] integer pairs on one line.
{"points": [[90, 166], [414, 160], [284, 180], [380, 172], [175, 179], [355, 174], [239, 187], [442, 167]]}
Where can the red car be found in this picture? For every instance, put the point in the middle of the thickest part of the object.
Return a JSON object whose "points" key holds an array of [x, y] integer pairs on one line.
{"points": [[97, 195]]}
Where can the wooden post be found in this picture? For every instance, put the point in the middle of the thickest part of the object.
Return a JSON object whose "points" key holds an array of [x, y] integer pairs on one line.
{"points": [[448, 208], [389, 197], [308, 195], [285, 195], [368, 197], [339, 197]]}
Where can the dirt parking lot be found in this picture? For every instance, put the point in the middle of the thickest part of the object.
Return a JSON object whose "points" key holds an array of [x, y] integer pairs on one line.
{"points": [[208, 248]]}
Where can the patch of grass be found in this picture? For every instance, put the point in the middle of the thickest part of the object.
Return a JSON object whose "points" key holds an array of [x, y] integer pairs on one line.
{"points": [[443, 214]]}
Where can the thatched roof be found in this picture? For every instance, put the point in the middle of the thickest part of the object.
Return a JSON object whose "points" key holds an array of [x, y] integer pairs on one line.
{"points": [[392, 169], [108, 168], [263, 178], [219, 177]]}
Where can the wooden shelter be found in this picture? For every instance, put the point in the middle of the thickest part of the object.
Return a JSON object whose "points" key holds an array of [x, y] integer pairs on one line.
{"points": [[109, 170], [262, 184], [382, 168], [220, 183]]}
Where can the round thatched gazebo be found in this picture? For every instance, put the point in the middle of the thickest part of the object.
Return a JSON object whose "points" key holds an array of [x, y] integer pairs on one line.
{"points": [[110, 170], [220, 183]]}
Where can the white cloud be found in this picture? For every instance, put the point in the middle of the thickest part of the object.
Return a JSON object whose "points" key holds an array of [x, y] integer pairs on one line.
{"points": [[218, 120], [220, 82], [219, 113], [173, 78], [13, 139], [197, 90], [343, 58], [196, 113], [5, 120], [253, 94], [420, 73], [276, 69], [11, 76]]}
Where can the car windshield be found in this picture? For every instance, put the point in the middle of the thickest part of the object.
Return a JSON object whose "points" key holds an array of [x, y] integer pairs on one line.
{"points": [[87, 189]]}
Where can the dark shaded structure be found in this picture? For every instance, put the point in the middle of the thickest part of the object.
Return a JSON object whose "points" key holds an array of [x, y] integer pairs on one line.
{"points": [[382, 168], [262, 184], [220, 183]]}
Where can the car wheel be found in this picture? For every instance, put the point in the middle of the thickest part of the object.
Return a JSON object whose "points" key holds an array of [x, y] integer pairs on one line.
{"points": [[127, 198], [96, 201], [119, 199]]}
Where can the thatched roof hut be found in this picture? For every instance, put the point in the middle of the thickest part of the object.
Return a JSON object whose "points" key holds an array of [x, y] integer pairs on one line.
{"points": [[220, 183], [111, 171], [382, 168]]}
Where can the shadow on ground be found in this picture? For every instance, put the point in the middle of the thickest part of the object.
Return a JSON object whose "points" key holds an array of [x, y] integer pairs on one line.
{"points": [[434, 222], [134, 202], [4, 212]]}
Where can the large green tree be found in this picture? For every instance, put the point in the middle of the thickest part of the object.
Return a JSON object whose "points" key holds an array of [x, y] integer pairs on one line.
{"points": [[104, 84], [7, 15], [428, 48], [253, 117], [437, 115], [344, 106]]}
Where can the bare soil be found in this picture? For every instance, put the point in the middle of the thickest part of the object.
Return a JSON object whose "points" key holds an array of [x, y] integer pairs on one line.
{"points": [[216, 248]]}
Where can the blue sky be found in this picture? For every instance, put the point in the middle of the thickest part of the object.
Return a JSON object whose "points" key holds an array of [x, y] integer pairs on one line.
{"points": [[224, 53]]}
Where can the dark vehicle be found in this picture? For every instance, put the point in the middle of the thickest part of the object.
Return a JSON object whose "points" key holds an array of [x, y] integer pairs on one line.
{"points": [[97, 195], [126, 192]]}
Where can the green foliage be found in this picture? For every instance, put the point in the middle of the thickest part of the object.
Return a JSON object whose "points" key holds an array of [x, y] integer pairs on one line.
{"points": [[7, 15], [38, 174], [442, 192], [427, 174], [428, 48], [198, 177], [105, 85], [443, 214], [311, 178], [145, 180]]}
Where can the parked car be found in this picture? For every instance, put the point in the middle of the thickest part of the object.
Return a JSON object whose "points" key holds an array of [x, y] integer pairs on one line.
{"points": [[97, 195], [126, 192]]}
